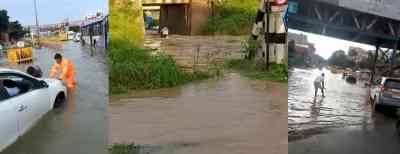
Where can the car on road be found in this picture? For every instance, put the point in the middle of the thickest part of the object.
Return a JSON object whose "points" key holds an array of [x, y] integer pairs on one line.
{"points": [[386, 92], [24, 99]]}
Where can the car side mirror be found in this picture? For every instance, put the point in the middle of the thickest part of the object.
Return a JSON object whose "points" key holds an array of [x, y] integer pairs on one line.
{"points": [[43, 84]]}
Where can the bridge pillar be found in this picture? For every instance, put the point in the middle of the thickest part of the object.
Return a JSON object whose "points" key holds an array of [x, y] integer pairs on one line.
{"points": [[377, 47], [393, 57]]}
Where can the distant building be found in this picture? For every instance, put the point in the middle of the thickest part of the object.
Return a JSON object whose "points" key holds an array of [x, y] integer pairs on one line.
{"points": [[298, 38], [302, 46], [185, 17]]}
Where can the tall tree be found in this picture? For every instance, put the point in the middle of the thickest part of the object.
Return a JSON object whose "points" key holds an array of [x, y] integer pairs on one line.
{"points": [[126, 21], [4, 21], [339, 58], [15, 30]]}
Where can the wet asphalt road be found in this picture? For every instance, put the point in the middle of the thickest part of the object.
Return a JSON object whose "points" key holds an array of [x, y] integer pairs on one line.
{"points": [[233, 115], [342, 122], [80, 125], [379, 137], [345, 104]]}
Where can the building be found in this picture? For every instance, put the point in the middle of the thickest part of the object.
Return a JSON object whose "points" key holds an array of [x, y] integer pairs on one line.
{"points": [[184, 17], [302, 46]]}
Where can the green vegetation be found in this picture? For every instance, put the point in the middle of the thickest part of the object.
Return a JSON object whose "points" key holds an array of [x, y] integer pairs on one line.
{"points": [[249, 48], [13, 28], [253, 69], [233, 17], [124, 149], [126, 21], [341, 59], [136, 68]]}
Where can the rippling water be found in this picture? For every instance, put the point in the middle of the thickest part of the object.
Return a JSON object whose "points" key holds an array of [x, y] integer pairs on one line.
{"points": [[230, 115], [344, 104]]}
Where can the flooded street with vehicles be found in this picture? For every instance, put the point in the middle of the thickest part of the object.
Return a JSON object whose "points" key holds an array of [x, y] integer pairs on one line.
{"points": [[345, 106], [80, 124], [229, 115]]}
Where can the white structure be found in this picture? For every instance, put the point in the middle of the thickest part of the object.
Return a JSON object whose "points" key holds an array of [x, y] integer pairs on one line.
{"points": [[278, 52]]}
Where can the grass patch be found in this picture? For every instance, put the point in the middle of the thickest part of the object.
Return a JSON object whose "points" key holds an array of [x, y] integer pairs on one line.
{"points": [[232, 17], [132, 68], [252, 69], [124, 149]]}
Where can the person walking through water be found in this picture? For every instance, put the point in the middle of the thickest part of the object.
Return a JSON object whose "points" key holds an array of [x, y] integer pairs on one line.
{"points": [[66, 71], [319, 83]]}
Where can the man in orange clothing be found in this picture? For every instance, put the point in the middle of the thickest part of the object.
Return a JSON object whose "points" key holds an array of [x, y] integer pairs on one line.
{"points": [[66, 70]]}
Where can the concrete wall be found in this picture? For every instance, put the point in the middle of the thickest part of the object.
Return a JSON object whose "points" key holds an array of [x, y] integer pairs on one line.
{"points": [[199, 13], [190, 22], [175, 17]]}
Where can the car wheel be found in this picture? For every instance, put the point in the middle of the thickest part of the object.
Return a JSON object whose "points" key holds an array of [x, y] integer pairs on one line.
{"points": [[60, 99]]}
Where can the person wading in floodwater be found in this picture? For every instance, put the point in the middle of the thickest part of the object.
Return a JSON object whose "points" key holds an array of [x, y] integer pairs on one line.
{"points": [[66, 70], [319, 83]]}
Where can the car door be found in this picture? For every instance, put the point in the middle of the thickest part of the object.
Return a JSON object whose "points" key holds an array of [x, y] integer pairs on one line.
{"points": [[8, 122], [32, 102]]}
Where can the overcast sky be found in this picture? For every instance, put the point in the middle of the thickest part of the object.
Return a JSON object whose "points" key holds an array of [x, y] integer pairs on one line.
{"points": [[51, 11], [325, 46]]}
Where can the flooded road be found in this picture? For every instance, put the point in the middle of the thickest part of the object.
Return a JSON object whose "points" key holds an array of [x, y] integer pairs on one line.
{"points": [[221, 116], [344, 105], [80, 125]]}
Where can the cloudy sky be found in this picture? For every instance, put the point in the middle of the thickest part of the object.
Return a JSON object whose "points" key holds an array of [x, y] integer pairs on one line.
{"points": [[51, 11]]}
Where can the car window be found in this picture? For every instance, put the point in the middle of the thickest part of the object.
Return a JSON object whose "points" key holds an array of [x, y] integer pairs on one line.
{"points": [[3, 92], [392, 84], [14, 85]]}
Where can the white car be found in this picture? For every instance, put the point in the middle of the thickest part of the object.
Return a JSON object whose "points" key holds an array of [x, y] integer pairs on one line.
{"points": [[24, 99], [386, 92], [77, 37]]}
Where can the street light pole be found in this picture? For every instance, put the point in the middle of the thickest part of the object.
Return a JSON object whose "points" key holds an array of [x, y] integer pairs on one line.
{"points": [[37, 23]]}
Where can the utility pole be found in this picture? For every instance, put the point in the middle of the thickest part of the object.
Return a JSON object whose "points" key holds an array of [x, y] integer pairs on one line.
{"points": [[377, 47], [37, 24], [267, 42]]}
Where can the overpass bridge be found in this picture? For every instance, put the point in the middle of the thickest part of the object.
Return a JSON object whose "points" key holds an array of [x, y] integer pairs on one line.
{"points": [[373, 22]]}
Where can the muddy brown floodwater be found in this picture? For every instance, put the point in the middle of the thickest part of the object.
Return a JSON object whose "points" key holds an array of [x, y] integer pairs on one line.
{"points": [[221, 116], [344, 105], [80, 125]]}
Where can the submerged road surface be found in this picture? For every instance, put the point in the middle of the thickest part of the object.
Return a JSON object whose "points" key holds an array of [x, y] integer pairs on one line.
{"points": [[342, 122], [344, 104], [233, 115], [79, 126]]}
